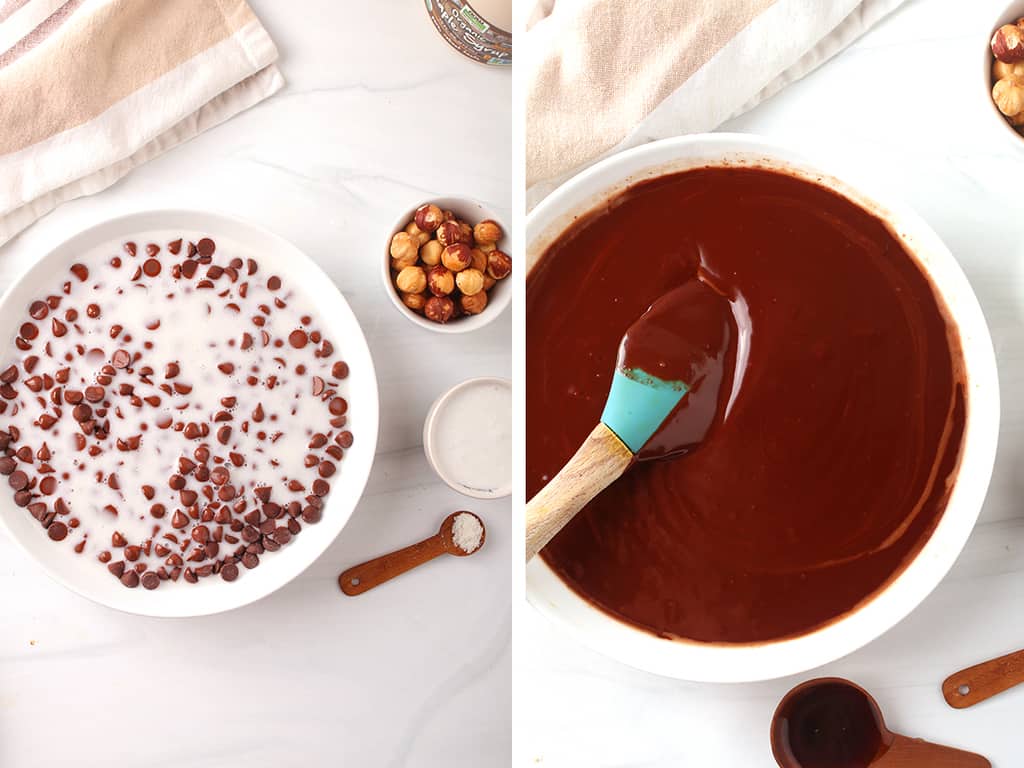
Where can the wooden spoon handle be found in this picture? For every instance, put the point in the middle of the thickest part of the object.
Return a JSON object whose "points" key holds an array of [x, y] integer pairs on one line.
{"points": [[600, 460], [905, 752], [984, 680], [361, 578]]}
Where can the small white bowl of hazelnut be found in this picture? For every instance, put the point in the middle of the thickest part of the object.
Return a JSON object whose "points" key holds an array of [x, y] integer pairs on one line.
{"points": [[1004, 69], [446, 265]]}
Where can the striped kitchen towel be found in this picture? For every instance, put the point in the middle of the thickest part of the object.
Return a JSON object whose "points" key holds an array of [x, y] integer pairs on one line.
{"points": [[89, 89], [603, 75]]}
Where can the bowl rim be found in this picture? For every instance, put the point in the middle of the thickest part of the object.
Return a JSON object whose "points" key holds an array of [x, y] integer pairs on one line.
{"points": [[356, 350], [429, 424], [1010, 13], [689, 660], [496, 304]]}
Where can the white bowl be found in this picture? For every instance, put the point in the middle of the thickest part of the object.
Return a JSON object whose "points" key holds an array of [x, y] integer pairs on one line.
{"points": [[88, 577], [430, 448], [750, 662], [1011, 13], [498, 298]]}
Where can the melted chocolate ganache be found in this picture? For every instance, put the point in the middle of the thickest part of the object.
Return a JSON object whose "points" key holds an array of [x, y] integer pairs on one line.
{"points": [[820, 453]]}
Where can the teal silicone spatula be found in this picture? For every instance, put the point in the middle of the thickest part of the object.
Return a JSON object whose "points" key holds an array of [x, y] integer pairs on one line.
{"points": [[666, 349]]}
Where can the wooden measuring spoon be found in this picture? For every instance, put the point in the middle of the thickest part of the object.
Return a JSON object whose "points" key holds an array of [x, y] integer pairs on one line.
{"points": [[670, 348], [982, 681], [833, 723], [366, 576]]}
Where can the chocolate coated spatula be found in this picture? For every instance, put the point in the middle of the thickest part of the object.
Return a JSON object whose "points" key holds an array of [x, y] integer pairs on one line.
{"points": [[666, 350]]}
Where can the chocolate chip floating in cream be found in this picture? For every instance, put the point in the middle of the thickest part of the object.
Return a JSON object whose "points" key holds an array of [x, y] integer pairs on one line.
{"points": [[157, 411]]}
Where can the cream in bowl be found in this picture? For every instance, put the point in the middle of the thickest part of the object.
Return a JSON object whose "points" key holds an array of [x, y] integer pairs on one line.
{"points": [[467, 437], [183, 405], [805, 513]]}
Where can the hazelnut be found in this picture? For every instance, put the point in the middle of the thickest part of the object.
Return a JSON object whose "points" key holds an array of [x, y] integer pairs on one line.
{"points": [[1001, 69], [486, 247], [499, 265], [439, 309], [440, 281], [1008, 94], [457, 257], [451, 232], [428, 217], [430, 253], [474, 305], [1008, 42], [447, 215], [470, 281], [479, 260], [489, 282], [399, 264], [487, 231], [416, 233], [403, 248], [411, 280], [414, 301]]}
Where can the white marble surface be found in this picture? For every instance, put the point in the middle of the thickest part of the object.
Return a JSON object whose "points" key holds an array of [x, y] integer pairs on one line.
{"points": [[902, 106], [418, 672]]}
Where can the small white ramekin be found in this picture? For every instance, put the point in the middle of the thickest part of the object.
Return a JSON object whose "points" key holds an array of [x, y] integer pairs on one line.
{"points": [[435, 415], [1010, 13], [498, 298]]}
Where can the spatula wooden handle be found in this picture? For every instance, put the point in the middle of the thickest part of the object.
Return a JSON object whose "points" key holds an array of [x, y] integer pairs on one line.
{"points": [[982, 681], [366, 576], [600, 460]]}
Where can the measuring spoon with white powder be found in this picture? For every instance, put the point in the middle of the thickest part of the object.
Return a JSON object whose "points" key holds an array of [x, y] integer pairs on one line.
{"points": [[461, 534], [467, 437]]}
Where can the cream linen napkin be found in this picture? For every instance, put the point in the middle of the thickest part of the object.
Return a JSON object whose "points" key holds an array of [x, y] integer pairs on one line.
{"points": [[89, 89], [603, 75]]}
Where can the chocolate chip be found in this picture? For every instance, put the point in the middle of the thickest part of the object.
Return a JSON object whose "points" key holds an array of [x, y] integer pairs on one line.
{"points": [[120, 359], [150, 580], [206, 247], [80, 271], [282, 535], [57, 531], [18, 480], [311, 514], [229, 572], [130, 579], [321, 487], [95, 394], [344, 439], [340, 370], [179, 520], [7, 465], [250, 560]]}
